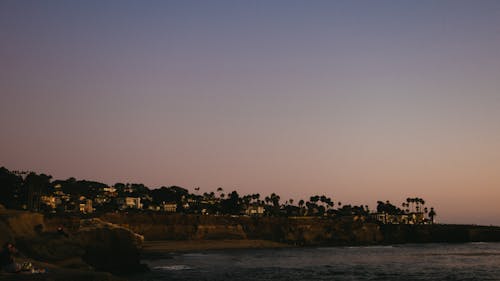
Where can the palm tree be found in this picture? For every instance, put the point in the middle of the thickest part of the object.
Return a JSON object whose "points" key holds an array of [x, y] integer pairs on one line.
{"points": [[301, 202], [330, 203], [301, 205], [267, 199], [275, 199], [422, 201], [432, 214], [409, 203], [256, 196], [220, 190]]}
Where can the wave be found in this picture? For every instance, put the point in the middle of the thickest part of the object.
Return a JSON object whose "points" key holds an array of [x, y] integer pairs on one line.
{"points": [[371, 247], [172, 267]]}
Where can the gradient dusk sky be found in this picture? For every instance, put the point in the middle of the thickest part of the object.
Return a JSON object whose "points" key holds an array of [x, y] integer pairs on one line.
{"points": [[358, 100]]}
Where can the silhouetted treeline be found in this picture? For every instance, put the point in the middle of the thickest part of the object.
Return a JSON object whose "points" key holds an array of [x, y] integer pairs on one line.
{"points": [[38, 192]]}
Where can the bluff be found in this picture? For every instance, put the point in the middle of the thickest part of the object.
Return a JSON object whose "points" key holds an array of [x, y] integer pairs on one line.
{"points": [[349, 230], [293, 230]]}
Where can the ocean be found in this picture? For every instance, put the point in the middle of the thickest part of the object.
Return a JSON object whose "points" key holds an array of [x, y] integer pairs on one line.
{"points": [[469, 261]]}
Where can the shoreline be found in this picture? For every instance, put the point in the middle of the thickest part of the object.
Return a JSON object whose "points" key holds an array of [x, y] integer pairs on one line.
{"points": [[164, 247], [185, 246]]}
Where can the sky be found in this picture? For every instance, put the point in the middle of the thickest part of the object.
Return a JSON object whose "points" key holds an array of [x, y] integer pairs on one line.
{"points": [[357, 100]]}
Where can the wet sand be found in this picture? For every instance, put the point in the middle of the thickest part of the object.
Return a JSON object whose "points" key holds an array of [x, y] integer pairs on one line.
{"points": [[200, 245]]}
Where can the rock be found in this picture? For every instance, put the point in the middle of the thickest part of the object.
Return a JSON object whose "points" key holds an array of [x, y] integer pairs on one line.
{"points": [[109, 247], [94, 244], [18, 225]]}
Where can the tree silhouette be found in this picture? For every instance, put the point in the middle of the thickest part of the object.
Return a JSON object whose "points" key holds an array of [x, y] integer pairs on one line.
{"points": [[12, 193], [37, 185], [432, 214]]}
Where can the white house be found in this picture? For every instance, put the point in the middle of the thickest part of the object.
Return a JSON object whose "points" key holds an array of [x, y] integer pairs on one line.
{"points": [[129, 202], [254, 210], [170, 207]]}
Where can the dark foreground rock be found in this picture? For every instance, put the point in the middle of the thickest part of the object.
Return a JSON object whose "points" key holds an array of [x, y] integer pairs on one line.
{"points": [[109, 247], [92, 245]]}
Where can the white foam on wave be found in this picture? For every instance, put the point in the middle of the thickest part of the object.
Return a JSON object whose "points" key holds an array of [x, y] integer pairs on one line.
{"points": [[172, 267], [195, 255], [371, 247]]}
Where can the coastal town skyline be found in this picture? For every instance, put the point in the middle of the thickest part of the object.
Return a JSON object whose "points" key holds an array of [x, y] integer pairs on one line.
{"points": [[357, 100], [30, 191]]}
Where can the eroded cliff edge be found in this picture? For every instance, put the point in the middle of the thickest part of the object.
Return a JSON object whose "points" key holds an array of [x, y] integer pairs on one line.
{"points": [[295, 231], [337, 231]]}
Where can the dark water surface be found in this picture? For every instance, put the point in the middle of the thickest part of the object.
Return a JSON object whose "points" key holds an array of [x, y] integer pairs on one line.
{"points": [[471, 261]]}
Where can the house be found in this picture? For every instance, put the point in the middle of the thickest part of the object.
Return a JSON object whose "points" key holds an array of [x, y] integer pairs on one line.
{"points": [[416, 218], [110, 191], [100, 200], [86, 206], [412, 218], [50, 201], [129, 202], [154, 207], [169, 207], [254, 210]]}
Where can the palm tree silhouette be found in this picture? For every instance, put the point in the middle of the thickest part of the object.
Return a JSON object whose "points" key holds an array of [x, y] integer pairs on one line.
{"points": [[432, 214]]}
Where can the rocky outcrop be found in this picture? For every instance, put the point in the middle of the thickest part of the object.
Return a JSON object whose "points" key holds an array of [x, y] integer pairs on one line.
{"points": [[110, 247], [91, 245]]}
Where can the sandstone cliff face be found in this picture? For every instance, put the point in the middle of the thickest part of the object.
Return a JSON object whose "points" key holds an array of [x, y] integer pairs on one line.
{"points": [[300, 231]]}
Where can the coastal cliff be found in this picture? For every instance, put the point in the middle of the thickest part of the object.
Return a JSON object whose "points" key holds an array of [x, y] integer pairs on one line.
{"points": [[308, 231], [296, 230]]}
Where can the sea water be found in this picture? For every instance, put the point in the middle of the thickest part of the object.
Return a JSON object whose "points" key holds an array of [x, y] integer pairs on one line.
{"points": [[470, 261]]}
